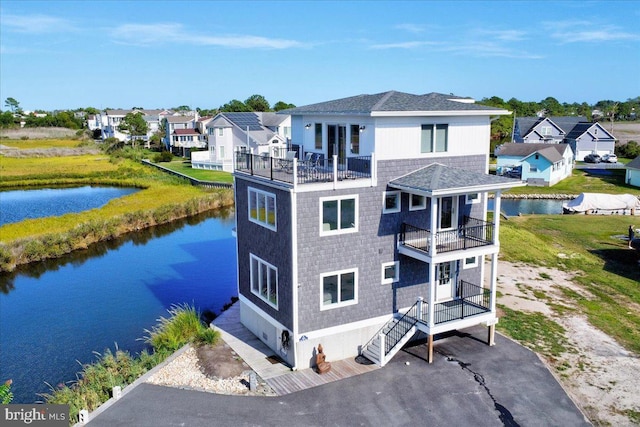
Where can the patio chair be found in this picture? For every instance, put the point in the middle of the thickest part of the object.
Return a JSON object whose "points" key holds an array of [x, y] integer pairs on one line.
{"points": [[287, 163]]}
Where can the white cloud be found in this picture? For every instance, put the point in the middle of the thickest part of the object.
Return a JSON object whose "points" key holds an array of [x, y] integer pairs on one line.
{"points": [[34, 24], [588, 32], [163, 33], [411, 28], [505, 35], [403, 45]]}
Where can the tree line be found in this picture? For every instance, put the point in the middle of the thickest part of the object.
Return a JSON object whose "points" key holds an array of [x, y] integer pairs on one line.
{"points": [[501, 128]]}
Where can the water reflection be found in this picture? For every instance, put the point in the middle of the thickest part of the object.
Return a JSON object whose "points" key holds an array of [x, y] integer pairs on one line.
{"points": [[57, 313]]}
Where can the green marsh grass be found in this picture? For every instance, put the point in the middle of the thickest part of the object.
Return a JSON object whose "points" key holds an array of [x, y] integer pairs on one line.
{"points": [[162, 198], [95, 382]]}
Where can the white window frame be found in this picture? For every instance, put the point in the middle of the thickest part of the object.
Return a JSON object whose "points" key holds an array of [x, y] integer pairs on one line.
{"points": [[338, 304], [473, 264], [431, 146], [386, 280], [271, 271], [221, 151], [546, 130], [398, 206], [220, 131], [339, 230], [419, 207], [267, 206], [472, 199]]}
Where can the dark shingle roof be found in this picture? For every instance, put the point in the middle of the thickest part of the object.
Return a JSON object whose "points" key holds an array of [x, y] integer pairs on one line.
{"points": [[440, 179], [634, 164], [552, 152], [389, 102], [578, 130]]}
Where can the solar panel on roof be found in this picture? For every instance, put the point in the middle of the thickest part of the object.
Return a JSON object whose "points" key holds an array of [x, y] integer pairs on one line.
{"points": [[244, 120]]}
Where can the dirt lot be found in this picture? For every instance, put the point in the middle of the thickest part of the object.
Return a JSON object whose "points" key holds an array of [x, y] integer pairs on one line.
{"points": [[599, 374], [624, 131], [37, 133]]}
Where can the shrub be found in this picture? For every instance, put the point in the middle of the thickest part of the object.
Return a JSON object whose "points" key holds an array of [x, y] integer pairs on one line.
{"points": [[163, 156], [6, 396], [180, 328]]}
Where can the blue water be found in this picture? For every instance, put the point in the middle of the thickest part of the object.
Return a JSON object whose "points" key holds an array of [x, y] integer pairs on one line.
{"points": [[513, 207], [56, 314], [19, 205]]}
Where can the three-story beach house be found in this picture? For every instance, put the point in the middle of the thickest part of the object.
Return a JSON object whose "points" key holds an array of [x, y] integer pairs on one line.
{"points": [[375, 232]]}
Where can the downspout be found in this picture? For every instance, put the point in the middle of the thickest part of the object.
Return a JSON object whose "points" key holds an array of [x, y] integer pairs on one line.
{"points": [[294, 277]]}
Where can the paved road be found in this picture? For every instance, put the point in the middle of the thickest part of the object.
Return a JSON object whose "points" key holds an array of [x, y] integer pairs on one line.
{"points": [[469, 383]]}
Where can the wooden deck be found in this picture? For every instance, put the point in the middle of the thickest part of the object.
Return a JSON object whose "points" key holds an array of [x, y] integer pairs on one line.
{"points": [[279, 376], [308, 378]]}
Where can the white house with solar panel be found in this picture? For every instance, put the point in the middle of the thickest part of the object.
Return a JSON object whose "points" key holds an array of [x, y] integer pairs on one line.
{"points": [[376, 233], [264, 134]]}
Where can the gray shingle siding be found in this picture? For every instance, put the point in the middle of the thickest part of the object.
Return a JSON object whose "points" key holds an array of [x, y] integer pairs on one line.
{"points": [[374, 244], [262, 242]]}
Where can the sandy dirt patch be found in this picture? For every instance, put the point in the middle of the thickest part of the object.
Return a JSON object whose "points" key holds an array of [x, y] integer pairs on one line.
{"points": [[599, 374]]}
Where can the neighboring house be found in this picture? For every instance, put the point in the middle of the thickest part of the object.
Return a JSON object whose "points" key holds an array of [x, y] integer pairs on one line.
{"points": [[182, 135], [542, 129], [587, 138], [109, 120], [632, 176], [583, 136], [258, 133], [540, 164], [383, 213]]}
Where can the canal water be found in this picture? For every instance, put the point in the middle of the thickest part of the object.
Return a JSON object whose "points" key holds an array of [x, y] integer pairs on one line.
{"points": [[56, 314], [514, 207], [23, 204]]}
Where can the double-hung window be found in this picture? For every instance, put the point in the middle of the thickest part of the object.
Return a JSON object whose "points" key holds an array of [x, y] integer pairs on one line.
{"points": [[338, 215], [262, 208], [434, 138], [339, 288], [264, 280]]}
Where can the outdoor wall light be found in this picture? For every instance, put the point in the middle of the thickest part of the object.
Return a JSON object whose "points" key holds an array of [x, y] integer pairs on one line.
{"points": [[362, 128], [307, 126]]}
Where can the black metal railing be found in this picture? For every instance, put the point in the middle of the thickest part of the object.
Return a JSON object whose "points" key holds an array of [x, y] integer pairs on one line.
{"points": [[472, 300], [472, 233], [319, 169]]}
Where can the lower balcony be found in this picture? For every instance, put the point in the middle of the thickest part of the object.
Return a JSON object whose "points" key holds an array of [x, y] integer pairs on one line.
{"points": [[472, 234]]}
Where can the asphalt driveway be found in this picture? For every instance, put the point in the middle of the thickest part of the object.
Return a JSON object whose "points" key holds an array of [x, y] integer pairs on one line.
{"points": [[469, 383]]}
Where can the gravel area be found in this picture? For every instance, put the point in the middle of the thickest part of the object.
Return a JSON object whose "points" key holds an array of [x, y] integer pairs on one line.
{"points": [[185, 372]]}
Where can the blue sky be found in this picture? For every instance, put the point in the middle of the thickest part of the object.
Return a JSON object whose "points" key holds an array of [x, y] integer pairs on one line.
{"points": [[162, 54]]}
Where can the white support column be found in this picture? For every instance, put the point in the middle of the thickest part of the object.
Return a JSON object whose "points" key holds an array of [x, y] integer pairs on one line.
{"points": [[432, 294], [494, 281], [433, 226], [382, 348], [335, 171], [295, 172], [496, 218]]}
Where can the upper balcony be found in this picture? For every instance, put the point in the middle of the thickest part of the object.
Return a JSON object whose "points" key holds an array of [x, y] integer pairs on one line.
{"points": [[425, 243], [300, 172]]}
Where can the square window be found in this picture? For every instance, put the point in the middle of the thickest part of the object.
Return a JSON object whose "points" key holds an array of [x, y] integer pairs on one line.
{"points": [[472, 198], [417, 202], [470, 262], [390, 272], [338, 289], [338, 215], [391, 202]]}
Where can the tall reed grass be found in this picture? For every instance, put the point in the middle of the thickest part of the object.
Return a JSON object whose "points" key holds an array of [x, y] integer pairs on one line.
{"points": [[94, 384]]}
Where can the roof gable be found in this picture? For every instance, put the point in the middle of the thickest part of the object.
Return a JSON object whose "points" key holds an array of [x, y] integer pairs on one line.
{"points": [[634, 164]]}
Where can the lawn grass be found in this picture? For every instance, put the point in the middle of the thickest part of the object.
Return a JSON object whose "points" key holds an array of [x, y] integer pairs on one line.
{"points": [[594, 246], [184, 167]]}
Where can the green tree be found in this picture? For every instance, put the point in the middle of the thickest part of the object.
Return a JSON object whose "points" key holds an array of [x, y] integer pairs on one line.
{"points": [[257, 103], [13, 105], [135, 125], [280, 105], [182, 108], [6, 119], [500, 127], [552, 107], [235, 106]]}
